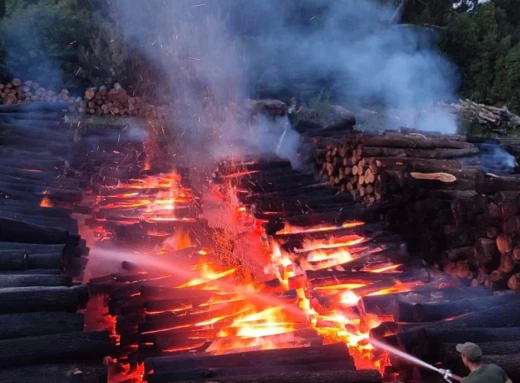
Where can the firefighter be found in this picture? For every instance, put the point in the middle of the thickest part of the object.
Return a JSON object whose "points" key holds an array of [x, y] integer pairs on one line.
{"points": [[479, 372]]}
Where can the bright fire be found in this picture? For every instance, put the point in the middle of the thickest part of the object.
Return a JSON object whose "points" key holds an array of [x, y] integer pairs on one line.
{"points": [[237, 315]]}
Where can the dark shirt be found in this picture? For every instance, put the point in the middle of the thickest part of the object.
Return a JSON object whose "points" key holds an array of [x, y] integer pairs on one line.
{"points": [[488, 373]]}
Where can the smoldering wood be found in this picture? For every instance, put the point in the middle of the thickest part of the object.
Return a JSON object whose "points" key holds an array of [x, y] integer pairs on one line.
{"points": [[276, 357], [56, 373], [429, 312], [25, 280], [507, 315], [331, 376], [475, 334], [33, 299], [94, 345], [39, 323]]}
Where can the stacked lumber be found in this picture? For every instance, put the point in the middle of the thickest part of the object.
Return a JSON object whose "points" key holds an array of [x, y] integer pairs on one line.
{"points": [[42, 256], [372, 167], [19, 92], [114, 101]]}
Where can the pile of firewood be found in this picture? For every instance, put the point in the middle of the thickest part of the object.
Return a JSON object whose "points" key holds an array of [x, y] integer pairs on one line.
{"points": [[114, 101], [373, 166], [18, 92], [494, 257]]}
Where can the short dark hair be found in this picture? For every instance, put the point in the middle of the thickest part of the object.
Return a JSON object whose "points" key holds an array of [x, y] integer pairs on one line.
{"points": [[476, 360]]}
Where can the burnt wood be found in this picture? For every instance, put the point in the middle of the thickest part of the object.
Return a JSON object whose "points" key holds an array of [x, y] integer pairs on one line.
{"points": [[93, 346], [32, 299], [24, 280], [39, 323], [429, 312], [347, 376], [280, 357], [56, 373]]}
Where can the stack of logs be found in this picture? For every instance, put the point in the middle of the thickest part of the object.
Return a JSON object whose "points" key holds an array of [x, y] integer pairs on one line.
{"points": [[114, 101], [493, 258], [373, 167], [41, 258], [18, 92]]}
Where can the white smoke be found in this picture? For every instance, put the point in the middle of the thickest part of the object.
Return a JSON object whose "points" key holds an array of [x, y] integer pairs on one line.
{"points": [[215, 53]]}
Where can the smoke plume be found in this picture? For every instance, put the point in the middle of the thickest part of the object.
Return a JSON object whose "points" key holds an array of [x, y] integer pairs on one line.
{"points": [[217, 53]]}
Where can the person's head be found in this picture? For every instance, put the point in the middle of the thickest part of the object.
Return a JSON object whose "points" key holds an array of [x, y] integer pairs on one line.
{"points": [[470, 353]]}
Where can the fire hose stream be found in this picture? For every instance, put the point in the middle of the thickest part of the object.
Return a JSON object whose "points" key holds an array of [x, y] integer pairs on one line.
{"points": [[446, 374]]}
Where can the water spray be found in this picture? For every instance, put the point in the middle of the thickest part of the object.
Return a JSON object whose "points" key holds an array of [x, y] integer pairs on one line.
{"points": [[446, 374], [281, 139]]}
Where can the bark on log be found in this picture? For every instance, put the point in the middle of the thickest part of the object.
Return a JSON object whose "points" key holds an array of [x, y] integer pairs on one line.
{"points": [[40, 323], [346, 376], [279, 357], [490, 184], [55, 348], [419, 153], [11, 230], [429, 312], [24, 280], [475, 335], [56, 373], [413, 142], [32, 299]]}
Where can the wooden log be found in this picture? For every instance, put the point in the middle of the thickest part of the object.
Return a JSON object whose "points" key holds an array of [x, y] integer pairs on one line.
{"points": [[437, 153], [347, 376], [490, 184], [486, 253], [55, 348], [56, 373], [413, 142], [502, 316], [429, 312], [475, 335], [277, 357], [32, 248], [19, 260], [32, 299], [24, 280], [411, 163], [39, 323], [35, 107], [32, 272], [11, 230]]}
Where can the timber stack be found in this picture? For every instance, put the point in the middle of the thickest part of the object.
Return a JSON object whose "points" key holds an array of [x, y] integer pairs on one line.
{"points": [[42, 256]]}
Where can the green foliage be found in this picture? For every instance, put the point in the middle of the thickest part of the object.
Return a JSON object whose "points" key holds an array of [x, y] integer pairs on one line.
{"points": [[482, 43]]}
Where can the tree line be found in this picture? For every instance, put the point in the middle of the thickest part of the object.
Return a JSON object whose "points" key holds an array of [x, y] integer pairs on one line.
{"points": [[79, 43]]}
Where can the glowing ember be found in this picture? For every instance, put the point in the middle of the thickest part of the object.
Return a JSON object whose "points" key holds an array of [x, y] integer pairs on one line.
{"points": [[315, 229]]}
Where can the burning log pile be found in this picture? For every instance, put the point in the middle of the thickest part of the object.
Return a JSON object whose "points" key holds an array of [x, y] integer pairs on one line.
{"points": [[42, 257]]}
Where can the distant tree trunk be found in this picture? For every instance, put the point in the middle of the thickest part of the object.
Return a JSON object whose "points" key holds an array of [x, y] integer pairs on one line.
{"points": [[2, 9]]}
